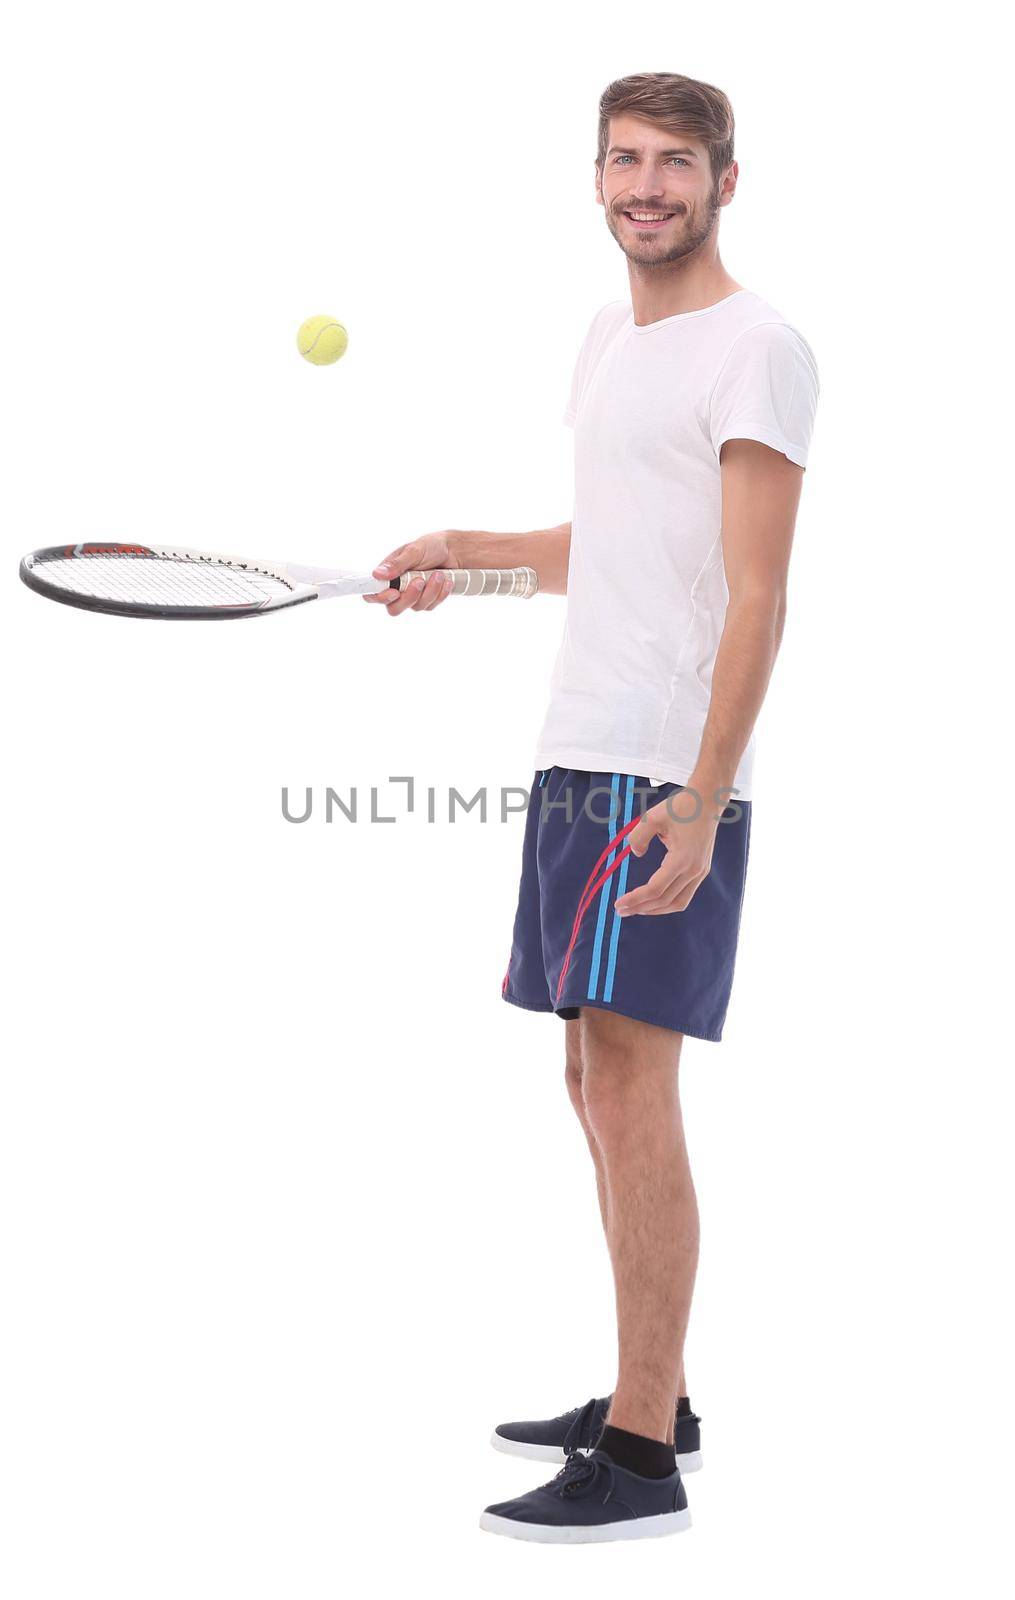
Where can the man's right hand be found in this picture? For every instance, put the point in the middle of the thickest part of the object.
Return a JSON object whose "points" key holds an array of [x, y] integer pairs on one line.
{"points": [[432, 551]]}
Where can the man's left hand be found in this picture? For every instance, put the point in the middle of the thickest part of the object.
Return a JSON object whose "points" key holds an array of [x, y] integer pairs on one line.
{"points": [[686, 824]]}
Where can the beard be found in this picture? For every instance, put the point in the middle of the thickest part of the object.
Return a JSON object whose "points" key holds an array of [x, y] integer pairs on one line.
{"points": [[689, 234]]}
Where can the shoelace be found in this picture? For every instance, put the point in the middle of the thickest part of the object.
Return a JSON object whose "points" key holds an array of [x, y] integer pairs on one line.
{"points": [[580, 1475], [579, 1434]]}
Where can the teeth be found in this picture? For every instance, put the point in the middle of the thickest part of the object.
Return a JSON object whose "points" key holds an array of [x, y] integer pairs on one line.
{"points": [[649, 216]]}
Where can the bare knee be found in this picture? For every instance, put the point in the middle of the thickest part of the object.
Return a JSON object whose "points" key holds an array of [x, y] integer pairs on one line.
{"points": [[574, 1070], [629, 1078], [608, 1100]]}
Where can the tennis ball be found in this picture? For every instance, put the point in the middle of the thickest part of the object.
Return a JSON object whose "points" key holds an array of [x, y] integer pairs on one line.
{"points": [[321, 340]]}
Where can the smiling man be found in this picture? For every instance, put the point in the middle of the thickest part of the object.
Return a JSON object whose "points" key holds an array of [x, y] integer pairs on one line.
{"points": [[692, 404]]}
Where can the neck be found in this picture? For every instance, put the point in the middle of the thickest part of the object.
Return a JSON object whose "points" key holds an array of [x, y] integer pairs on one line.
{"points": [[690, 284]]}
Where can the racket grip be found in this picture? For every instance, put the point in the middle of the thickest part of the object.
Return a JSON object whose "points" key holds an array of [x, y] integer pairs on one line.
{"points": [[520, 583]]}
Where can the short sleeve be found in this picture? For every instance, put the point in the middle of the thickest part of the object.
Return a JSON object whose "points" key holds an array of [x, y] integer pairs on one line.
{"points": [[570, 412], [767, 390], [571, 409], [600, 330]]}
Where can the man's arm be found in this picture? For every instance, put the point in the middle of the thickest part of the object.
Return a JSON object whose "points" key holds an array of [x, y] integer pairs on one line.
{"points": [[760, 496], [546, 550]]}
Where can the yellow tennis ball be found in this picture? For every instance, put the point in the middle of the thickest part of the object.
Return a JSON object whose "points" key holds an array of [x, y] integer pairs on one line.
{"points": [[321, 340]]}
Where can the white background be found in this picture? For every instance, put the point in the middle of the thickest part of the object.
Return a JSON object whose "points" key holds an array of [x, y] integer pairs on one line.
{"points": [[294, 1209]]}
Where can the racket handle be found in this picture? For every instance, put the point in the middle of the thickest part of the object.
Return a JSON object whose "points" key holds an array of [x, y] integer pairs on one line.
{"points": [[519, 582]]}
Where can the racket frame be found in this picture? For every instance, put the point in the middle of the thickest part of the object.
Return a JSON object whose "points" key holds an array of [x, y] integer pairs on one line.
{"points": [[32, 572]]}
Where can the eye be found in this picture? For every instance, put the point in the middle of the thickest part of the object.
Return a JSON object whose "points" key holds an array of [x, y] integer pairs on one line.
{"points": [[682, 161], [618, 159]]}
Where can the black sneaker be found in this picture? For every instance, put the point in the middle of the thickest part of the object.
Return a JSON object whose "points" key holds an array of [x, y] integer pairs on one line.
{"points": [[590, 1501], [557, 1438]]}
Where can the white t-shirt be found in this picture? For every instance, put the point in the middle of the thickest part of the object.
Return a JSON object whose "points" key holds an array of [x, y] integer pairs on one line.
{"points": [[646, 590]]}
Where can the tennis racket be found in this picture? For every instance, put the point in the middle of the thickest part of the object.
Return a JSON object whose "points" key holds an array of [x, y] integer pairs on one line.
{"points": [[136, 580]]}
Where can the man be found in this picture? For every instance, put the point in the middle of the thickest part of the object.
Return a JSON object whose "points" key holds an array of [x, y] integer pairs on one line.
{"points": [[692, 408]]}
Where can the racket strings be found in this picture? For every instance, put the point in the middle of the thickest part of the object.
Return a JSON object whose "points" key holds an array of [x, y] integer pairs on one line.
{"points": [[163, 581]]}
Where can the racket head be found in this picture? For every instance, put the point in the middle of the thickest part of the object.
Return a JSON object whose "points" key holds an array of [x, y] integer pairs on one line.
{"points": [[170, 582]]}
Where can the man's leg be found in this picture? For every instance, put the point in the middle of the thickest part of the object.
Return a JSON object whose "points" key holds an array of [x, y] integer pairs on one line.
{"points": [[574, 1077], [632, 1115]]}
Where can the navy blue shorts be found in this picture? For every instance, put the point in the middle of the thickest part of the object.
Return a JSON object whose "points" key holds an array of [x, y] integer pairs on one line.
{"points": [[570, 949]]}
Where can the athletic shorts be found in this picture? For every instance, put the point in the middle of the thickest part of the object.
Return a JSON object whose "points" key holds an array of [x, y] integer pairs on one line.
{"points": [[570, 948]]}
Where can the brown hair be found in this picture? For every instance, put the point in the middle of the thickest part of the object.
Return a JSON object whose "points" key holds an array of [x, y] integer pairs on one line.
{"points": [[673, 101]]}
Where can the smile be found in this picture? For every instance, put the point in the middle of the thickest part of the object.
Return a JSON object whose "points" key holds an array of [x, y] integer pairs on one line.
{"points": [[649, 219]]}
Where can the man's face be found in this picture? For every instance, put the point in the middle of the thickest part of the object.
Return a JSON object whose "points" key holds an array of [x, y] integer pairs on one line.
{"points": [[657, 191]]}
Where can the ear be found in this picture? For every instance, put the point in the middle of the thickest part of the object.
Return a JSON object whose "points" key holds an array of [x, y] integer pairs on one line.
{"points": [[599, 187], [729, 184]]}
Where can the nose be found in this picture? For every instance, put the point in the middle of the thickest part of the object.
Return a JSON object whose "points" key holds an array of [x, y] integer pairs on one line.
{"points": [[650, 184]]}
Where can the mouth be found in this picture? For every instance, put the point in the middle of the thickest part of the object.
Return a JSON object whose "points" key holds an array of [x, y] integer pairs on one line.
{"points": [[649, 221]]}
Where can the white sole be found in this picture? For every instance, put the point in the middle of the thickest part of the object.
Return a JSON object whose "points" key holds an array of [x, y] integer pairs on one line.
{"points": [[599, 1533], [689, 1462]]}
